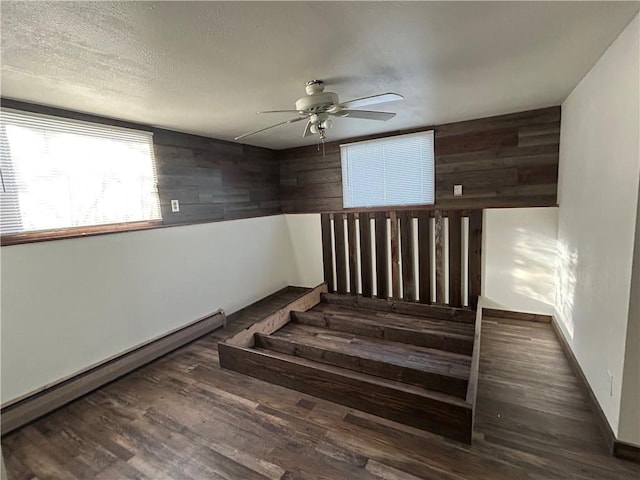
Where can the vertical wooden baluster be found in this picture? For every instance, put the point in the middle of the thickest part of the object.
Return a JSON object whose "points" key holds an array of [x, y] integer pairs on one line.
{"points": [[406, 246], [424, 256], [475, 257], [365, 255], [353, 254], [455, 259], [382, 259], [341, 253], [395, 257], [439, 259], [327, 251]]}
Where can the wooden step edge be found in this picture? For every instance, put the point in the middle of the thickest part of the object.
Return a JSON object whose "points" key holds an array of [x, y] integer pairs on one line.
{"points": [[279, 318], [372, 379], [432, 411], [431, 379], [373, 322], [452, 342], [298, 333], [300, 328], [367, 313], [474, 372], [439, 312]]}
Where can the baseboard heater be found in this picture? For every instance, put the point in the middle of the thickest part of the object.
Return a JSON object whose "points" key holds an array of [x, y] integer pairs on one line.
{"points": [[26, 409]]}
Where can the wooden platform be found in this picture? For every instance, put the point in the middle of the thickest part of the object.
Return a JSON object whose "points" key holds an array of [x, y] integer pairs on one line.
{"points": [[183, 417], [409, 363]]}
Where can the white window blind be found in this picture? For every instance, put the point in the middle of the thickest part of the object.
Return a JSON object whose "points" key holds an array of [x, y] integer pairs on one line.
{"points": [[390, 171], [60, 173]]}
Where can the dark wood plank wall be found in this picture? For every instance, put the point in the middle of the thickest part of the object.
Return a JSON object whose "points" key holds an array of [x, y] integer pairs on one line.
{"points": [[214, 180], [503, 161], [508, 160]]}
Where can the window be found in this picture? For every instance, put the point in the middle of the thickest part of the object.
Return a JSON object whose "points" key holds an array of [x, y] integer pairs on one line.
{"points": [[59, 173], [392, 171]]}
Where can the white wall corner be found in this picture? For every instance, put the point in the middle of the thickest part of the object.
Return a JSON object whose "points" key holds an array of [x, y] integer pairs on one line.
{"points": [[629, 430], [305, 236], [599, 174], [519, 259]]}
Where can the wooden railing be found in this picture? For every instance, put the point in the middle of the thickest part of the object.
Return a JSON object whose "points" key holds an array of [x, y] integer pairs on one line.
{"points": [[426, 256]]}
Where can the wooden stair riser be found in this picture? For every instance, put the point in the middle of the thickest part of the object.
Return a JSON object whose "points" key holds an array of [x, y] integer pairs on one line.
{"points": [[433, 339], [452, 419], [429, 380], [438, 312]]}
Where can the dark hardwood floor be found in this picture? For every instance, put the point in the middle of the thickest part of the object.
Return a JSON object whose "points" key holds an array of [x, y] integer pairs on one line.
{"points": [[183, 417]]}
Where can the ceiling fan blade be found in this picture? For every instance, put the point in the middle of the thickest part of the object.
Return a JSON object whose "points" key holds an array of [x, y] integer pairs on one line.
{"points": [[293, 120], [307, 130], [373, 100], [279, 111], [365, 114]]}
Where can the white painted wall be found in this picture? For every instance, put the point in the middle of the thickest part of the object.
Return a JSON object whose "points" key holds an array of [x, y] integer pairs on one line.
{"points": [[629, 430], [71, 303], [598, 190], [306, 238], [519, 256]]}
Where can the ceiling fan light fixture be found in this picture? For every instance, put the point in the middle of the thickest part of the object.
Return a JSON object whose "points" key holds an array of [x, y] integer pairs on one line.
{"points": [[318, 105]]}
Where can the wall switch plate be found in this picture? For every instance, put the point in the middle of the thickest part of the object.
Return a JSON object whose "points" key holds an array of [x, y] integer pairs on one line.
{"points": [[175, 206], [457, 190], [610, 383]]}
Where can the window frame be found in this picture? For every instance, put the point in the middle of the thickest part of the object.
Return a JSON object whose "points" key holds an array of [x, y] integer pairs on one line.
{"points": [[9, 239], [77, 232], [399, 207]]}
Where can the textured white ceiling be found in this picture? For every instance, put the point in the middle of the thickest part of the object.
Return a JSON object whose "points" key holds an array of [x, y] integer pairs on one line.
{"points": [[207, 67]]}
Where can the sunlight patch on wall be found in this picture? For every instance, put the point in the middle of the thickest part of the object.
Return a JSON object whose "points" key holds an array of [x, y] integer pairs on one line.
{"points": [[566, 265], [535, 258]]}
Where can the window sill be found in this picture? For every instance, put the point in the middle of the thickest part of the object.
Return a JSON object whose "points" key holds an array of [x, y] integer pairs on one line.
{"points": [[80, 232]]}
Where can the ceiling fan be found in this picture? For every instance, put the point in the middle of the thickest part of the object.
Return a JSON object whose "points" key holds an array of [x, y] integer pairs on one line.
{"points": [[318, 106]]}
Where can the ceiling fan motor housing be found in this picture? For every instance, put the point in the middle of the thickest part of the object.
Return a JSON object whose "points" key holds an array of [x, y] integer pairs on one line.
{"points": [[317, 102], [318, 105], [314, 86]]}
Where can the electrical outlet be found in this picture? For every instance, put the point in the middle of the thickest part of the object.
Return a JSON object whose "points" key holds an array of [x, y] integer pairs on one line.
{"points": [[175, 206], [457, 190], [610, 383]]}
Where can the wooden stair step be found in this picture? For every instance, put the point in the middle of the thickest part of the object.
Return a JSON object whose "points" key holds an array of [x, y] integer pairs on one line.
{"points": [[377, 328], [441, 312], [388, 361], [456, 363], [412, 405], [399, 319]]}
